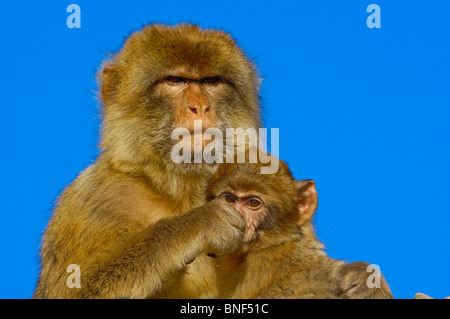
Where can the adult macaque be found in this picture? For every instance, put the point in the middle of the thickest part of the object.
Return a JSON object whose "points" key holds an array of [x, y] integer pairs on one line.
{"points": [[280, 256], [129, 220]]}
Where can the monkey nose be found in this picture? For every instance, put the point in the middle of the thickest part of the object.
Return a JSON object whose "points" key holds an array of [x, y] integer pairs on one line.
{"points": [[199, 111], [193, 109]]}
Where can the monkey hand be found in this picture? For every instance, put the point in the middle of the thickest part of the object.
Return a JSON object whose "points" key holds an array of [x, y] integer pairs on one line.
{"points": [[223, 229], [353, 283]]}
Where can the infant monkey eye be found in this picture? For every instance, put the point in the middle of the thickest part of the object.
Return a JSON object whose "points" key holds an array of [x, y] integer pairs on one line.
{"points": [[211, 80], [230, 198], [175, 79]]}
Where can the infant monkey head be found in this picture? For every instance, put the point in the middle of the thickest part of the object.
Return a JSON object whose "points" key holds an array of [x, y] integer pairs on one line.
{"points": [[274, 204]]}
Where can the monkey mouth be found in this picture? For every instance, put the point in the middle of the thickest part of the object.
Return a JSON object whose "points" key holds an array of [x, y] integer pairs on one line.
{"points": [[195, 146]]}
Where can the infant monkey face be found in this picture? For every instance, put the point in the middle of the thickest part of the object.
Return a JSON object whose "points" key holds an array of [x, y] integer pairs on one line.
{"points": [[252, 207]]}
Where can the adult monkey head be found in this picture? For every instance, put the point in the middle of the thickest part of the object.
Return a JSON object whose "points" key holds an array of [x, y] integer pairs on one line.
{"points": [[165, 78]]}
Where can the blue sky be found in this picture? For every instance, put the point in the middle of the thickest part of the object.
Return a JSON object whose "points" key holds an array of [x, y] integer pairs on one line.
{"points": [[364, 112]]}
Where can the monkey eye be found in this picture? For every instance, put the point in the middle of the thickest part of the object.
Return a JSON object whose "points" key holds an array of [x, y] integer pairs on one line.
{"points": [[230, 198], [211, 80], [253, 203], [175, 79]]}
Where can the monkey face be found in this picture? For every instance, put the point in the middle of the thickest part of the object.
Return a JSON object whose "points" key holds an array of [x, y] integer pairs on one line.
{"points": [[194, 102], [269, 203], [167, 77], [252, 207], [192, 98], [264, 200]]}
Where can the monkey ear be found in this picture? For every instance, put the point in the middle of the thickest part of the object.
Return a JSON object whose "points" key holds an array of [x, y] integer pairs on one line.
{"points": [[109, 83], [307, 200]]}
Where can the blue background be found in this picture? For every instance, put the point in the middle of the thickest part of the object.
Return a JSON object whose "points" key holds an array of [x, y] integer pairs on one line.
{"points": [[364, 112]]}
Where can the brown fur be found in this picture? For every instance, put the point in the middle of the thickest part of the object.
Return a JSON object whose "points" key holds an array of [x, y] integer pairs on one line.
{"points": [[129, 220], [285, 260]]}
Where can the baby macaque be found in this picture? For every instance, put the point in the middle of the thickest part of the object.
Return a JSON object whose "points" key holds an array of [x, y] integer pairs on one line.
{"points": [[280, 256]]}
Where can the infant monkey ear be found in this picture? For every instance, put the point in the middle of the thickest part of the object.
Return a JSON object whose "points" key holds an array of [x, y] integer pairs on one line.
{"points": [[306, 201]]}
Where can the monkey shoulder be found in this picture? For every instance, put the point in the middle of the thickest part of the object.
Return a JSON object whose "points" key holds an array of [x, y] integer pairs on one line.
{"points": [[99, 208], [101, 195]]}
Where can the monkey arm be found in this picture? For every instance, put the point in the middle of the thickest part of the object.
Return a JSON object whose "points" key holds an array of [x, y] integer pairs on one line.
{"points": [[116, 258], [123, 248], [139, 267]]}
